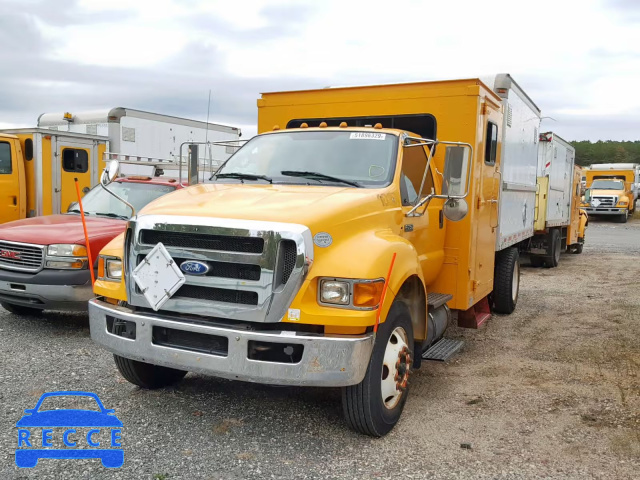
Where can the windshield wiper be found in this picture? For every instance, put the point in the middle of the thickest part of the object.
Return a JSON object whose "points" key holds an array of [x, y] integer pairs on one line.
{"points": [[242, 176], [318, 176], [112, 215]]}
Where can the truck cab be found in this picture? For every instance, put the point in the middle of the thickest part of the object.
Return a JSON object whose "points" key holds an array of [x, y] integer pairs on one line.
{"points": [[44, 260], [609, 196]]}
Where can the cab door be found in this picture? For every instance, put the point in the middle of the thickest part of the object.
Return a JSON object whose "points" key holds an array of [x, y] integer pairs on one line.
{"points": [[425, 232], [74, 160], [12, 185]]}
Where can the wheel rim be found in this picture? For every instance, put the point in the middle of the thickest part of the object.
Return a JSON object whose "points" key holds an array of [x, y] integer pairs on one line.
{"points": [[396, 366], [515, 283]]}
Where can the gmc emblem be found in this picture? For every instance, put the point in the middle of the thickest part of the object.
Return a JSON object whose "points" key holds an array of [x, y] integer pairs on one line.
{"points": [[10, 254]]}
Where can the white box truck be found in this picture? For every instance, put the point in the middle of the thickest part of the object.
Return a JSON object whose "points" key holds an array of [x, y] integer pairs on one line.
{"points": [[555, 202], [135, 134]]}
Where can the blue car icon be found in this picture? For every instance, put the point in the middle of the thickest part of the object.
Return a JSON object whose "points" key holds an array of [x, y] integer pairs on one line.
{"points": [[27, 454]]}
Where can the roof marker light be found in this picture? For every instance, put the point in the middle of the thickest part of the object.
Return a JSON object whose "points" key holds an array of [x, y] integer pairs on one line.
{"points": [[343, 124]]}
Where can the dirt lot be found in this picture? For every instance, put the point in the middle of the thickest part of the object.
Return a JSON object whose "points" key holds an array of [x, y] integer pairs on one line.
{"points": [[552, 391]]}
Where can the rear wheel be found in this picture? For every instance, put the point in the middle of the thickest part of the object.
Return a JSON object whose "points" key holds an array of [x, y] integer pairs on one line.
{"points": [[506, 280], [146, 375], [555, 244], [19, 309], [535, 261], [373, 407], [577, 248]]}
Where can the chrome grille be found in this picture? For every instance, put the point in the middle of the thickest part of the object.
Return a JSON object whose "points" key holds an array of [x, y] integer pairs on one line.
{"points": [[605, 202], [22, 257], [255, 268]]}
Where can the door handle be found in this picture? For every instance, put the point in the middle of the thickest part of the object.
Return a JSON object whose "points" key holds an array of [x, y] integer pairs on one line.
{"points": [[15, 201], [57, 190]]}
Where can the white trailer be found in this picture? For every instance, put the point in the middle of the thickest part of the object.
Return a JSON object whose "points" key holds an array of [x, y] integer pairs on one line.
{"points": [[137, 134], [519, 161], [556, 158]]}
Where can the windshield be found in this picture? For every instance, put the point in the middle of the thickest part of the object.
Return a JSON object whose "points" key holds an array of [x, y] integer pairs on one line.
{"points": [[607, 185], [98, 202], [352, 159]]}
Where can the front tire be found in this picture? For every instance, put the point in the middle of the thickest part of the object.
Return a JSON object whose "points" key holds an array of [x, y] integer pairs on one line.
{"points": [[373, 407], [506, 280], [146, 375], [624, 217], [20, 310]]}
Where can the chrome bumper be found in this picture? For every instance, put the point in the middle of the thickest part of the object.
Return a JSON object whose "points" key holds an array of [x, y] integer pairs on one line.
{"points": [[327, 361], [46, 297], [604, 210]]}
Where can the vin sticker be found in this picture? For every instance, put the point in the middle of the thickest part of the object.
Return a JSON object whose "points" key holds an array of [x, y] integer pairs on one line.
{"points": [[367, 136], [294, 314]]}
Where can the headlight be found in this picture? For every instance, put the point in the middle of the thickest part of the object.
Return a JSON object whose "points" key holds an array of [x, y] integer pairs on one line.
{"points": [[623, 204], [66, 250], [335, 292], [73, 264], [109, 268]]}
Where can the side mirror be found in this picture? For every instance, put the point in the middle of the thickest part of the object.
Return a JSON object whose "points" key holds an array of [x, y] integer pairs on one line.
{"points": [[110, 173], [455, 209], [455, 182], [456, 166]]}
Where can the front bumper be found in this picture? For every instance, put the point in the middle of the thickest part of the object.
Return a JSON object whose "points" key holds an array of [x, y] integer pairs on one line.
{"points": [[47, 289], [605, 210], [327, 361]]}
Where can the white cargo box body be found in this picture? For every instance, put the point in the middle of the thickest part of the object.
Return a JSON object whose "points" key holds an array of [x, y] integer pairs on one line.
{"points": [[556, 159], [518, 162], [145, 134]]}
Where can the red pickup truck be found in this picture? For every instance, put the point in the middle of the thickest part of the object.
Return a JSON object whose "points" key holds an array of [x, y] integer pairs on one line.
{"points": [[44, 260]]}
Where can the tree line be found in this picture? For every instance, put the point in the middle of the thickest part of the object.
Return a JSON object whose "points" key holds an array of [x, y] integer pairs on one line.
{"points": [[608, 151]]}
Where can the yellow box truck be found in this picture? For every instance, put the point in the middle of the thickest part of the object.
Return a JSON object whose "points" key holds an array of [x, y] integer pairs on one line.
{"points": [[330, 250], [612, 190], [38, 168]]}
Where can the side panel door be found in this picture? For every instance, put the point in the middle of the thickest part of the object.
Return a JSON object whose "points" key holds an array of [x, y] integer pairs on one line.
{"points": [[74, 160], [485, 203], [12, 187]]}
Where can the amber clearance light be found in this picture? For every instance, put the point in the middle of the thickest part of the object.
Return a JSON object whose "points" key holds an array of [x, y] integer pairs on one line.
{"points": [[367, 294]]}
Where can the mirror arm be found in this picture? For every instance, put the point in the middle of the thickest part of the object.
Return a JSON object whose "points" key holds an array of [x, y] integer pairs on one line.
{"points": [[425, 200], [133, 210]]}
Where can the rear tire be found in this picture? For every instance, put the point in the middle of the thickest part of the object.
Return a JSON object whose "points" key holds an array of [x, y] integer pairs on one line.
{"points": [[147, 375], [20, 310], [506, 280], [373, 407], [555, 244]]}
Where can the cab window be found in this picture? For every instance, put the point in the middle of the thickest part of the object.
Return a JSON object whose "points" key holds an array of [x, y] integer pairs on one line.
{"points": [[491, 144], [5, 159], [75, 160], [414, 162]]}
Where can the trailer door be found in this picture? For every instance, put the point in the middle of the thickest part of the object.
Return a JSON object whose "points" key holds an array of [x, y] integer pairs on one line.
{"points": [[74, 161], [12, 194]]}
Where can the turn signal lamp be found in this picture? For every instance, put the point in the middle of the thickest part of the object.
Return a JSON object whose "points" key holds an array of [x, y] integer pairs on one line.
{"points": [[367, 294], [100, 267]]}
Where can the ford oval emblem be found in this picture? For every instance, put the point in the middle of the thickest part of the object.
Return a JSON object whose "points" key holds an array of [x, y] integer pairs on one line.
{"points": [[191, 267]]}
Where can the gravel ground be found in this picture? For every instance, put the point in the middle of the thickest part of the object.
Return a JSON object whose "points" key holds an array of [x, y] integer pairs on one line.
{"points": [[552, 391]]}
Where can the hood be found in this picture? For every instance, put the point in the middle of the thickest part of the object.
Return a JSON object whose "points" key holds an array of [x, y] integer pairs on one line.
{"points": [[607, 193], [306, 205], [60, 229]]}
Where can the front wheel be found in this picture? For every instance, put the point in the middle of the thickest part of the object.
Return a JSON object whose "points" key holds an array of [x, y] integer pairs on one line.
{"points": [[19, 309], [624, 217], [146, 375], [555, 245], [373, 407]]}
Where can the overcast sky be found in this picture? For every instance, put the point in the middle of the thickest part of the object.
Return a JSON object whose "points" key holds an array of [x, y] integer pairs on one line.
{"points": [[578, 59]]}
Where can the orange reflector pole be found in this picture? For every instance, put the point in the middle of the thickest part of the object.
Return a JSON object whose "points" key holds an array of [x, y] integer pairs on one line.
{"points": [[86, 235], [384, 294]]}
